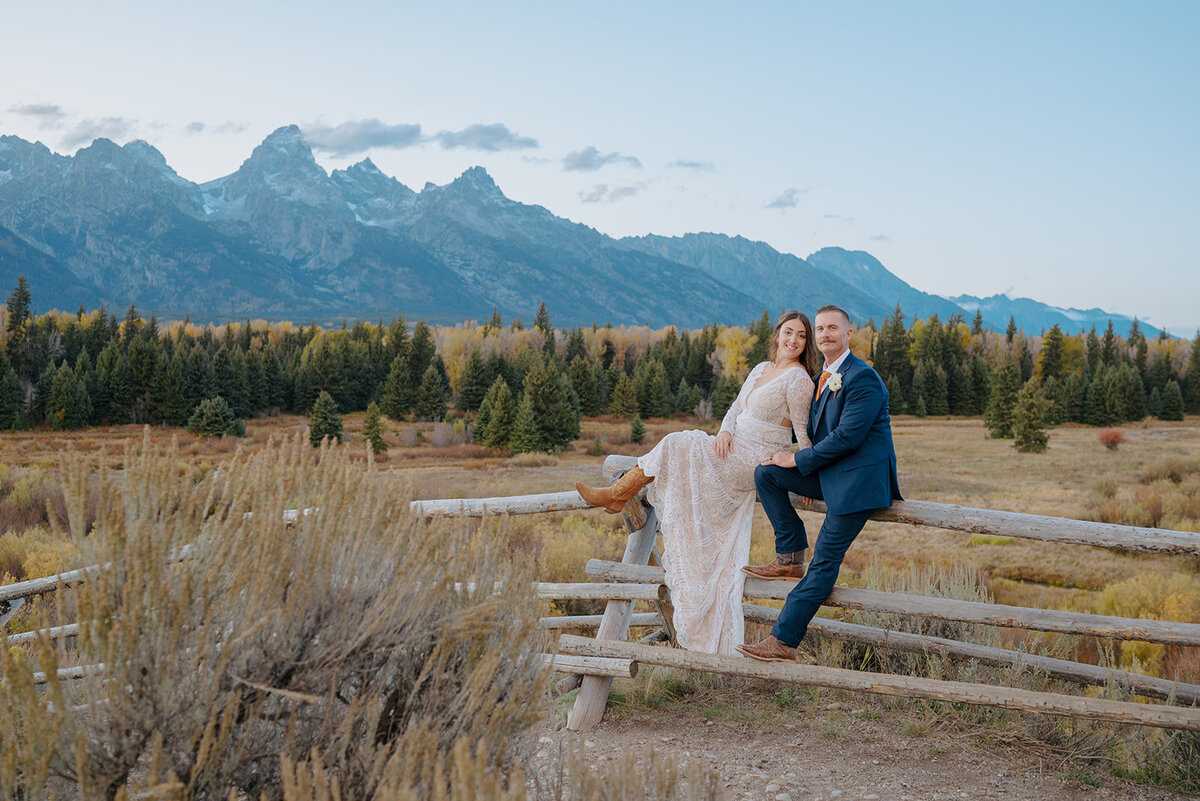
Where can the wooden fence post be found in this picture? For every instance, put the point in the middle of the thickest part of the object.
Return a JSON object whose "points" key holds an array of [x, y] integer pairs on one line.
{"points": [[593, 692]]}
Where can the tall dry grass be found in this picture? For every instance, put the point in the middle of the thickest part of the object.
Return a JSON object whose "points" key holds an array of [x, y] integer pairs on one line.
{"points": [[338, 647]]}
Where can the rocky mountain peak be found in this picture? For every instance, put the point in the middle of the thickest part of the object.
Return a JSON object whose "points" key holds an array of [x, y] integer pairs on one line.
{"points": [[477, 181]]}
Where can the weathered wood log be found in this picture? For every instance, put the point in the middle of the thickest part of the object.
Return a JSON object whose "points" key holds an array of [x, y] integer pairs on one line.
{"points": [[655, 637], [70, 674], [513, 505], [638, 620], [1008, 524], [1170, 717], [593, 691], [1019, 617], [1066, 670], [592, 665], [45, 584], [54, 633], [597, 591], [568, 683]]}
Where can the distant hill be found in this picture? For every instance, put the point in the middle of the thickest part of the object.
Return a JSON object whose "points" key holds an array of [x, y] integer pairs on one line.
{"points": [[281, 238]]}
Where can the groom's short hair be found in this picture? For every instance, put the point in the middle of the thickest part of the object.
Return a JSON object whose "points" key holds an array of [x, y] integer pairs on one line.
{"points": [[838, 309]]}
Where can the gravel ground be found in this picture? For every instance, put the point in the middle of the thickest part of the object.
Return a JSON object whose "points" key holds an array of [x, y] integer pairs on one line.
{"points": [[856, 759]]}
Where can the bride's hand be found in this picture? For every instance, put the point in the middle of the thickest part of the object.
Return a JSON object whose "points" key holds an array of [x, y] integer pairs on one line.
{"points": [[723, 445]]}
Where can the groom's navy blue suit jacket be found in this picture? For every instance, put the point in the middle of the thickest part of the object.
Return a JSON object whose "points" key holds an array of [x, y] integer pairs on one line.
{"points": [[851, 434]]}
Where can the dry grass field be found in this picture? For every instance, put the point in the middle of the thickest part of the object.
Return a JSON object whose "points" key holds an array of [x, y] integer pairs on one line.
{"points": [[1153, 478]]}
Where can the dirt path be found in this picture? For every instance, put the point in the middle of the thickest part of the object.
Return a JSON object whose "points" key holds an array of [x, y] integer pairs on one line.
{"points": [[840, 755]]}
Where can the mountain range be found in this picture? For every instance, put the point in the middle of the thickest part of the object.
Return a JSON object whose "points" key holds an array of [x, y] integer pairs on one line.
{"points": [[281, 238]]}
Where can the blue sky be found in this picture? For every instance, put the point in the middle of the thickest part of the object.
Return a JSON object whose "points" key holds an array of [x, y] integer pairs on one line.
{"points": [[1044, 149]]}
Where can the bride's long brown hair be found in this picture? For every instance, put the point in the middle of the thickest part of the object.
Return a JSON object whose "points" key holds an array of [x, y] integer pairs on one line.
{"points": [[808, 357]]}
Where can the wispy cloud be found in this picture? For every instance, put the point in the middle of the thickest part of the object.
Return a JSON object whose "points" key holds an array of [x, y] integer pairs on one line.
{"points": [[87, 130], [788, 199], [838, 218], [603, 193], [696, 166], [493, 137], [880, 238], [194, 127], [590, 159], [48, 115], [355, 136]]}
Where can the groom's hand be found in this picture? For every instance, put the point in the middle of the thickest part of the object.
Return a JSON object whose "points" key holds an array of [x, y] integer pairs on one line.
{"points": [[781, 459]]}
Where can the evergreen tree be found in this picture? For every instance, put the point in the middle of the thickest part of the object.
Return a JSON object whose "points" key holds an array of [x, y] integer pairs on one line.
{"points": [[1028, 426], [555, 407], [891, 357], [1092, 346], [1108, 346], [397, 398], [1172, 402], [1154, 403], [214, 417], [172, 393], [324, 420], [583, 381], [653, 391], [761, 331], [725, 394], [20, 318], [576, 347], [373, 430], [68, 406], [497, 429], [1006, 383], [1096, 410], [420, 354], [1051, 361], [12, 399], [1138, 348], [1192, 378], [525, 436], [473, 385], [977, 323], [495, 324], [430, 401], [686, 397], [1025, 360], [637, 430], [1011, 331], [624, 400], [542, 323], [41, 392]]}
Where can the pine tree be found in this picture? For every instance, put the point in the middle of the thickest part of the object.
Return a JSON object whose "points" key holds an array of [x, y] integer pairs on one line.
{"points": [[397, 397], [1093, 350], [686, 397], [1028, 432], [1051, 361], [977, 323], [214, 417], [1191, 379], [20, 318], [473, 385], [421, 351], [430, 401], [12, 399], [761, 331], [1006, 383], [68, 406], [650, 384], [637, 430], [624, 401], [555, 407], [495, 324], [525, 437], [497, 429], [1011, 331], [1138, 348], [541, 322], [1172, 402], [1108, 346], [583, 381], [891, 359], [172, 393], [373, 430], [324, 420]]}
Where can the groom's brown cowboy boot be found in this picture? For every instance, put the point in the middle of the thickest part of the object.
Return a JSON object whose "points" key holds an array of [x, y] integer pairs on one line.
{"points": [[784, 567], [769, 650], [614, 498]]}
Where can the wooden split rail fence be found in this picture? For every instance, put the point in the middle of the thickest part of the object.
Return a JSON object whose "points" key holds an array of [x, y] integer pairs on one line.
{"points": [[1181, 712], [592, 664]]}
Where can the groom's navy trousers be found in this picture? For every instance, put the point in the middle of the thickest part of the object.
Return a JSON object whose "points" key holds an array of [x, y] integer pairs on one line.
{"points": [[837, 532], [851, 465]]}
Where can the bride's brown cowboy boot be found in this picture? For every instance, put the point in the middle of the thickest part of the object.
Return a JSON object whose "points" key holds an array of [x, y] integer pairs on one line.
{"points": [[614, 498]]}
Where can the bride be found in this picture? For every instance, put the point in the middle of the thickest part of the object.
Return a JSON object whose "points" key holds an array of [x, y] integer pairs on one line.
{"points": [[702, 488]]}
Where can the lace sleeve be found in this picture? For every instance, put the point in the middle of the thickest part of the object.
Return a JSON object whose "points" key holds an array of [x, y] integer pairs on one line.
{"points": [[799, 400], [729, 422]]}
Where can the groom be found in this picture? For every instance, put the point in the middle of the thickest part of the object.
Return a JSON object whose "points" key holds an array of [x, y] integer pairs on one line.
{"points": [[851, 466]]}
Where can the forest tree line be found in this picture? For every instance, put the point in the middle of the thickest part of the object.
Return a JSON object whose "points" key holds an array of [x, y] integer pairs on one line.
{"points": [[526, 388]]}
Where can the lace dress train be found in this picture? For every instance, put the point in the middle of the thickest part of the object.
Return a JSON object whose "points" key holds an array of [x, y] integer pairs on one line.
{"points": [[705, 505]]}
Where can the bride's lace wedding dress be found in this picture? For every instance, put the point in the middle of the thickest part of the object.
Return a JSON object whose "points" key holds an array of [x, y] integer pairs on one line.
{"points": [[705, 504]]}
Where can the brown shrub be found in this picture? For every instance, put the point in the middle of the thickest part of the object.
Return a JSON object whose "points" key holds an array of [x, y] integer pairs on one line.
{"points": [[1111, 438]]}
